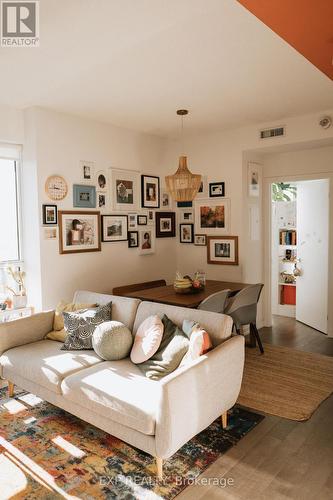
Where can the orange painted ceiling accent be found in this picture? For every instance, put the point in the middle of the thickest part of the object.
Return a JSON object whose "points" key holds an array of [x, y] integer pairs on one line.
{"points": [[307, 25]]}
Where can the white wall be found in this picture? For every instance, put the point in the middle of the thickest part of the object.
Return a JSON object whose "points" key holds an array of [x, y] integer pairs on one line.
{"points": [[11, 125], [60, 142]]}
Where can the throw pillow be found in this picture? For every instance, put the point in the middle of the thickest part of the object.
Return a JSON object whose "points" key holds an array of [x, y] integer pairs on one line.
{"points": [[112, 340], [80, 326], [167, 358], [200, 342], [58, 321], [147, 339]]}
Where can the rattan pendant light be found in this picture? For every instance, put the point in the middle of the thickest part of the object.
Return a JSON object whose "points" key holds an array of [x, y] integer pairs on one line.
{"points": [[183, 185]]}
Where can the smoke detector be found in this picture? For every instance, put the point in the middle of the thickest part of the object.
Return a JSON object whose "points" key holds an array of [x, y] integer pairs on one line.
{"points": [[325, 122]]}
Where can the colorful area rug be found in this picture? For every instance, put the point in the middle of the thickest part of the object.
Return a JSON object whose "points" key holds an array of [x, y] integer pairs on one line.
{"points": [[47, 453], [285, 382]]}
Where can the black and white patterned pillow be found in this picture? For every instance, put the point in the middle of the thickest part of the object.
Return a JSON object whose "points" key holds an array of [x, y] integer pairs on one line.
{"points": [[80, 326]]}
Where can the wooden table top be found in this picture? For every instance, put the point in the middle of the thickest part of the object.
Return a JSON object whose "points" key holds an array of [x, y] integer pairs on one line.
{"points": [[167, 294]]}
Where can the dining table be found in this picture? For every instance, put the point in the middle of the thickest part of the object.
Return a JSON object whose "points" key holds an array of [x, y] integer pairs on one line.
{"points": [[167, 294]]}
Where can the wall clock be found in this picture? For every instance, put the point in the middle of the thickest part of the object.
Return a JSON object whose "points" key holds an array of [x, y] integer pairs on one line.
{"points": [[56, 187]]}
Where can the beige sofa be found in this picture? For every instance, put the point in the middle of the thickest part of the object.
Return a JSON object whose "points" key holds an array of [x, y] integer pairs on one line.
{"points": [[155, 416]]}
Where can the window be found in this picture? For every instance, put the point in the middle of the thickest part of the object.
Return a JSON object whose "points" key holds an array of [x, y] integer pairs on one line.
{"points": [[9, 212]]}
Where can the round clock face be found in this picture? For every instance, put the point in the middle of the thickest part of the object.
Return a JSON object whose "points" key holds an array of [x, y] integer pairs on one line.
{"points": [[56, 187]]}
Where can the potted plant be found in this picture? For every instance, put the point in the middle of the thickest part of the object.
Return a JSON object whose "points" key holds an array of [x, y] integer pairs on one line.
{"points": [[20, 297]]}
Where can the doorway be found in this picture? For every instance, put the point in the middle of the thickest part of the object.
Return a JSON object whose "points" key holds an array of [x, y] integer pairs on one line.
{"points": [[299, 251]]}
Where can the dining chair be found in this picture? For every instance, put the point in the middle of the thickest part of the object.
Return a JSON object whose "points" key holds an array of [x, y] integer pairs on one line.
{"points": [[243, 310], [215, 302]]}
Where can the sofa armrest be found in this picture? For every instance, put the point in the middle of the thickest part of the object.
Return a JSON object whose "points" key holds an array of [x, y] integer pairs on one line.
{"points": [[195, 395], [25, 330]]}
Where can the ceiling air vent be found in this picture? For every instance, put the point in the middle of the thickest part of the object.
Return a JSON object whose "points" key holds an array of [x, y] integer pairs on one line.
{"points": [[267, 133]]}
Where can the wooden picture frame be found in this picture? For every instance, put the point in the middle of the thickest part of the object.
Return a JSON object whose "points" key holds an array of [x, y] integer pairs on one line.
{"points": [[165, 224], [114, 228], [79, 231], [150, 191], [189, 236], [50, 215], [222, 250]]}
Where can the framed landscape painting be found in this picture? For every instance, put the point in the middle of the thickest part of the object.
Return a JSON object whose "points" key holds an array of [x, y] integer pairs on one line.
{"points": [[222, 250], [114, 228], [150, 191], [79, 231], [165, 224], [212, 215], [124, 189]]}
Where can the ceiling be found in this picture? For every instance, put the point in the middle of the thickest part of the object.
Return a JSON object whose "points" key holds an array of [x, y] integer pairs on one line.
{"points": [[133, 63]]}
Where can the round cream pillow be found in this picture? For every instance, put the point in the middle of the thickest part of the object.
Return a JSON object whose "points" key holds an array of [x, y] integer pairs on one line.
{"points": [[147, 339], [112, 340]]}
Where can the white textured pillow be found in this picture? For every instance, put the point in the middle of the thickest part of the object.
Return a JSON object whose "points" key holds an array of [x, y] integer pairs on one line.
{"points": [[147, 339]]}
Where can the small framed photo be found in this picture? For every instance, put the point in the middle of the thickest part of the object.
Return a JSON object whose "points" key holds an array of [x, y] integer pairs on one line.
{"points": [[165, 224], [79, 231], [132, 221], [114, 228], [124, 189], [166, 200], [222, 250], [50, 233], [150, 191], [133, 239], [101, 180], [203, 189], [151, 218], [186, 216], [254, 180], [84, 196], [146, 241], [186, 233], [142, 220], [102, 200], [200, 240], [87, 171], [50, 215], [216, 189]]}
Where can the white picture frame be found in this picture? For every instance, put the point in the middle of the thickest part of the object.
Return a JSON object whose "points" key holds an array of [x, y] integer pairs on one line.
{"points": [[166, 199], [147, 244], [203, 190], [186, 215], [87, 171], [132, 221], [254, 180], [101, 180], [124, 189], [217, 221]]}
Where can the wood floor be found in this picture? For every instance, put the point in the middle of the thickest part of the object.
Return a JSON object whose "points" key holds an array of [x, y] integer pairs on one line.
{"points": [[279, 459]]}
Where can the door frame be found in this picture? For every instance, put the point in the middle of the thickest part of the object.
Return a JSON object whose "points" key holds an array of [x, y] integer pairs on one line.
{"points": [[267, 230]]}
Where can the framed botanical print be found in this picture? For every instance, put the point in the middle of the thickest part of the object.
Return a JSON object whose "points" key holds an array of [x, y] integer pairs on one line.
{"points": [[114, 228], [50, 215], [186, 233], [150, 191], [124, 189], [216, 189], [133, 239], [142, 220], [79, 231], [222, 250], [146, 241], [200, 240], [84, 196], [165, 224], [212, 215]]}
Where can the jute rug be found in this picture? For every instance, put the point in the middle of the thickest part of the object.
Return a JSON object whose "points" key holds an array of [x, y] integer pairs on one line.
{"points": [[285, 382], [47, 453]]}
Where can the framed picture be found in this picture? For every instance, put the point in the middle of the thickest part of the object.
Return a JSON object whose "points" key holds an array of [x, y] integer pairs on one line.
{"points": [[124, 189], [186, 216], [87, 170], [200, 240], [84, 196], [102, 200], [142, 220], [133, 239], [203, 189], [50, 233], [222, 250], [216, 189], [114, 228], [50, 214], [186, 233], [166, 200], [79, 231], [101, 180], [146, 241], [212, 215], [165, 224], [150, 191], [151, 217], [132, 221], [253, 180]]}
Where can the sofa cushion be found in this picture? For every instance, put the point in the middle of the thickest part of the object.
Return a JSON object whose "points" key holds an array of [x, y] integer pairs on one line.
{"points": [[44, 363], [116, 390]]}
